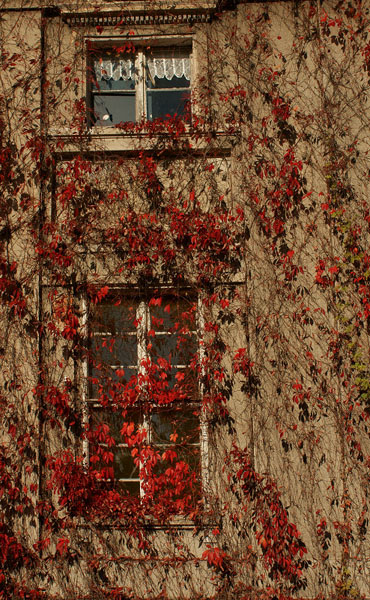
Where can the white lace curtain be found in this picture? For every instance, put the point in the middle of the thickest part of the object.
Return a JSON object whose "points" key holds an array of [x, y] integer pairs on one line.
{"points": [[163, 68], [114, 69], [167, 68]]}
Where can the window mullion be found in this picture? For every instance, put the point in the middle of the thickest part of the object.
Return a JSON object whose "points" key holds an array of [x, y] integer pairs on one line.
{"points": [[85, 405], [204, 446], [147, 418], [140, 94], [142, 318]]}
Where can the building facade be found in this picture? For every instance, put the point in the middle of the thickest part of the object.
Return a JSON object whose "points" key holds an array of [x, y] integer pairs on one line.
{"points": [[184, 299]]}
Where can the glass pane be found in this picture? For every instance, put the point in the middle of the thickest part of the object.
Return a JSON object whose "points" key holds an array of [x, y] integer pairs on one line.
{"points": [[161, 83], [169, 313], [111, 109], [100, 416], [115, 421], [119, 351], [167, 102], [112, 72], [110, 85], [177, 349], [170, 65], [111, 381], [176, 425], [113, 318], [165, 381], [162, 427], [190, 455], [130, 487], [124, 466], [163, 346], [101, 461]]}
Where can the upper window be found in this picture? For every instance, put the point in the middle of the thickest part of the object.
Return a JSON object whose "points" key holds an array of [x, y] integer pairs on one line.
{"points": [[144, 417], [145, 84]]}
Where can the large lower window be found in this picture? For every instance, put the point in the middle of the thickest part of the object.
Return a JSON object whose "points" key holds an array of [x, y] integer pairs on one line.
{"points": [[145, 429], [150, 84]]}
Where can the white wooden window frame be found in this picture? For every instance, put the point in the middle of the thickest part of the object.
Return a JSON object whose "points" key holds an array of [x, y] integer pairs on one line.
{"points": [[143, 318], [141, 108]]}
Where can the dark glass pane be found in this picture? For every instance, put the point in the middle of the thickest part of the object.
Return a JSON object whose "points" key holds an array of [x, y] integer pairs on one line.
{"points": [[110, 85], [124, 466], [101, 461], [111, 109], [173, 314], [111, 375], [117, 350], [100, 416], [130, 487], [115, 421], [178, 349], [190, 455], [167, 102], [162, 427], [112, 319], [165, 380], [163, 346], [161, 83], [181, 423], [108, 380]]}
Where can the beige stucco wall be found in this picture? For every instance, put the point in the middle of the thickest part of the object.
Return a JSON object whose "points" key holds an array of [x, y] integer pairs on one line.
{"points": [[287, 328]]}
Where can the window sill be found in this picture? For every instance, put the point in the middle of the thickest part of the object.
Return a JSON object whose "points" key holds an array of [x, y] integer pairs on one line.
{"points": [[111, 139], [178, 523]]}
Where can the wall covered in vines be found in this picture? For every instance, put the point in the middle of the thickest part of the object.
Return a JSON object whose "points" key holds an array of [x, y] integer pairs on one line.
{"points": [[184, 300]]}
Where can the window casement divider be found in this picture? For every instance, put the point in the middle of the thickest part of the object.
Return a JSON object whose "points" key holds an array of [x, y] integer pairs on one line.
{"points": [[85, 373], [142, 317], [141, 108], [204, 430]]}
